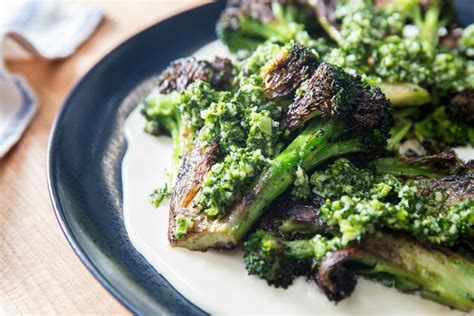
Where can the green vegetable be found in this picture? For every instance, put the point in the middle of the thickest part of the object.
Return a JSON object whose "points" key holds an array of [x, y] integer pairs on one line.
{"points": [[438, 128], [247, 25], [394, 260], [405, 94], [341, 178], [323, 138], [159, 195], [278, 261], [420, 216], [398, 261], [301, 189]]}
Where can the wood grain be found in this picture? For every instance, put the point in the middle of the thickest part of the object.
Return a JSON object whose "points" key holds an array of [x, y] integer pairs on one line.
{"points": [[39, 272]]}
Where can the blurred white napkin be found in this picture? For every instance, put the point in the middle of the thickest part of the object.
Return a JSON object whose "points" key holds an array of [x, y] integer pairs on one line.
{"points": [[48, 29]]}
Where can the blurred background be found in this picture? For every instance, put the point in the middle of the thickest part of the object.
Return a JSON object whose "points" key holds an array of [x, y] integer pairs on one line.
{"points": [[39, 272]]}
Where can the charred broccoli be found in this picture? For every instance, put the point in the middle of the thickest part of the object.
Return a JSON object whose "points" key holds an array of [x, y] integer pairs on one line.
{"points": [[303, 239], [439, 128], [343, 116], [185, 88], [245, 24], [398, 261]]}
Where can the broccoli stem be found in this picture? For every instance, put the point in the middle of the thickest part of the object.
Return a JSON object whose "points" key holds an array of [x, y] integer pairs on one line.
{"points": [[404, 94], [398, 133], [312, 147], [291, 226], [300, 249], [441, 276], [265, 31], [252, 33], [429, 25], [316, 144], [331, 30], [399, 167]]}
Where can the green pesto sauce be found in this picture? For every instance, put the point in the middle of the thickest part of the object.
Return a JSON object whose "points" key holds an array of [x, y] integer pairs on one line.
{"points": [[301, 189], [246, 127], [342, 178], [373, 46], [366, 204]]}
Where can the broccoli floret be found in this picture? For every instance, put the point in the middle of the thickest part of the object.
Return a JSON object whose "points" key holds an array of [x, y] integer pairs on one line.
{"points": [[247, 23], [461, 107], [182, 72], [332, 92], [179, 114], [342, 178], [185, 88], [267, 257], [438, 128], [279, 261], [285, 73]]}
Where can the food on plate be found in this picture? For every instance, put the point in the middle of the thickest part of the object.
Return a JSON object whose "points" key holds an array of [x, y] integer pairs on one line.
{"points": [[327, 154]]}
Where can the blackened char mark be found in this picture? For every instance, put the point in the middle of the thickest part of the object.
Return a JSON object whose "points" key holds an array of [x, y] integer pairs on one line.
{"points": [[461, 108], [299, 212], [288, 71], [457, 188], [184, 71], [194, 167], [333, 278], [331, 91]]}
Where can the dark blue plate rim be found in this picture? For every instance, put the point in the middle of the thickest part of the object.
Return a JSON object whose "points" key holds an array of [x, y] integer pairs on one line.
{"points": [[53, 188]]}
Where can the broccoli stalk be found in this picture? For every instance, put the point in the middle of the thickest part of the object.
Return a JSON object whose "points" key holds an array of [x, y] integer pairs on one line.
{"points": [[428, 23], [404, 93], [400, 262], [396, 261], [398, 132], [428, 166]]}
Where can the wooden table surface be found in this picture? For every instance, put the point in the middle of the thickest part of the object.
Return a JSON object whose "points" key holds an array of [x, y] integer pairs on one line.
{"points": [[39, 272]]}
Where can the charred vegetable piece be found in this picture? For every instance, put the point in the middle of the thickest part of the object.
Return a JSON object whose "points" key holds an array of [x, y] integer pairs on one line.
{"points": [[444, 163], [439, 128], [397, 261], [182, 72], [421, 207], [247, 23], [349, 127], [288, 218], [461, 107], [285, 73], [331, 91]]}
